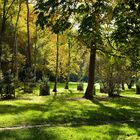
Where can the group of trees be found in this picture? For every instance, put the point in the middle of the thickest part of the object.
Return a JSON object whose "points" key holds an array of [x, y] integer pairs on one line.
{"points": [[104, 26], [64, 38]]}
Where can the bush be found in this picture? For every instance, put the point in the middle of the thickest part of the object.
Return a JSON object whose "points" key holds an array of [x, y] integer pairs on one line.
{"points": [[7, 87], [29, 80], [103, 88], [44, 87], [80, 86]]}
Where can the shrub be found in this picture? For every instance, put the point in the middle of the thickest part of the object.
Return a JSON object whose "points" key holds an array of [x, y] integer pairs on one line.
{"points": [[44, 87], [80, 86], [7, 86]]}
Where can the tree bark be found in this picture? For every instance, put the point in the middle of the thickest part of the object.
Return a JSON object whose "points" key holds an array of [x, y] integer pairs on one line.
{"points": [[15, 49], [123, 87], [35, 51], [57, 60], [129, 85], [138, 89], [90, 88], [68, 76], [28, 35], [2, 31]]}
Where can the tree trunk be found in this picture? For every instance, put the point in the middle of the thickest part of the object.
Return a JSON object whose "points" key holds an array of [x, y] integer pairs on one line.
{"points": [[137, 89], [35, 55], [15, 49], [110, 94], [130, 83], [123, 87], [68, 76], [57, 60], [129, 86], [2, 31], [90, 88], [28, 35], [35, 49]]}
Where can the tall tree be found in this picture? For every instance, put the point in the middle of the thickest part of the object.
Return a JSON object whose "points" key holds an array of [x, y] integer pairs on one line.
{"points": [[28, 35], [69, 58], [15, 49], [6, 7], [52, 19], [127, 29], [92, 14], [57, 62]]}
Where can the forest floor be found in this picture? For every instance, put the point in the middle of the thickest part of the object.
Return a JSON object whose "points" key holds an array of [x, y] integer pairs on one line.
{"points": [[70, 117]]}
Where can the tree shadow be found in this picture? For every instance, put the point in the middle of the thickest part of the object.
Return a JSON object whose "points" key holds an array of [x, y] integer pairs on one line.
{"points": [[63, 110], [28, 134]]}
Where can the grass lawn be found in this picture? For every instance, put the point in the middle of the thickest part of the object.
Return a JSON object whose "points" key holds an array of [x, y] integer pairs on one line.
{"points": [[101, 119]]}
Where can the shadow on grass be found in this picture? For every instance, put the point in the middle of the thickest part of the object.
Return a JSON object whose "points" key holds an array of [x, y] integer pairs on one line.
{"points": [[110, 132], [28, 134], [62, 109]]}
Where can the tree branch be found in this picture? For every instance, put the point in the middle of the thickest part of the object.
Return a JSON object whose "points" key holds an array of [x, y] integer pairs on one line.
{"points": [[9, 7]]}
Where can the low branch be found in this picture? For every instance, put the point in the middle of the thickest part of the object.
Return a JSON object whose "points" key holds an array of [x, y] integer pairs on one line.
{"points": [[111, 53]]}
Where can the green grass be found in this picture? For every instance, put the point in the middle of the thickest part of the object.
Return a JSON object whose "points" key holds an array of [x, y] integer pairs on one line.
{"points": [[103, 118], [101, 132]]}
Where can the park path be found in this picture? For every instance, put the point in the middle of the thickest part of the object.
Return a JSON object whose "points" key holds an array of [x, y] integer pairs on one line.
{"points": [[62, 125]]}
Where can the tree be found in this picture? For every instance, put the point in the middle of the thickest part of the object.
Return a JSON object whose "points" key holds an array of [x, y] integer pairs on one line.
{"points": [[95, 13], [112, 72], [15, 49], [69, 58], [51, 19], [28, 35], [127, 30], [92, 15], [57, 61], [6, 7]]}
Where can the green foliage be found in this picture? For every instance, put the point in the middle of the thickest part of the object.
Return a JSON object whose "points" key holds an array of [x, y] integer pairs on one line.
{"points": [[91, 20], [29, 79], [127, 29], [112, 72], [60, 26], [54, 14], [80, 86], [7, 86], [44, 86]]}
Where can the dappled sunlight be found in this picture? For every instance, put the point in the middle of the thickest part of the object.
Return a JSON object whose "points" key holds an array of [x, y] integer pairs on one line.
{"points": [[67, 109], [113, 118], [102, 132]]}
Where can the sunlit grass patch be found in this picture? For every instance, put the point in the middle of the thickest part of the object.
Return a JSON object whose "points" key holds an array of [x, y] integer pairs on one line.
{"points": [[105, 118], [96, 132]]}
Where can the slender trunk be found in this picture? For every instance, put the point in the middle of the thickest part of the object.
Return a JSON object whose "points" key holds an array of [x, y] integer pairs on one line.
{"points": [[2, 31], [137, 83], [57, 60], [15, 49], [28, 35], [90, 88], [130, 84], [68, 76], [60, 73], [123, 87], [35, 52]]}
